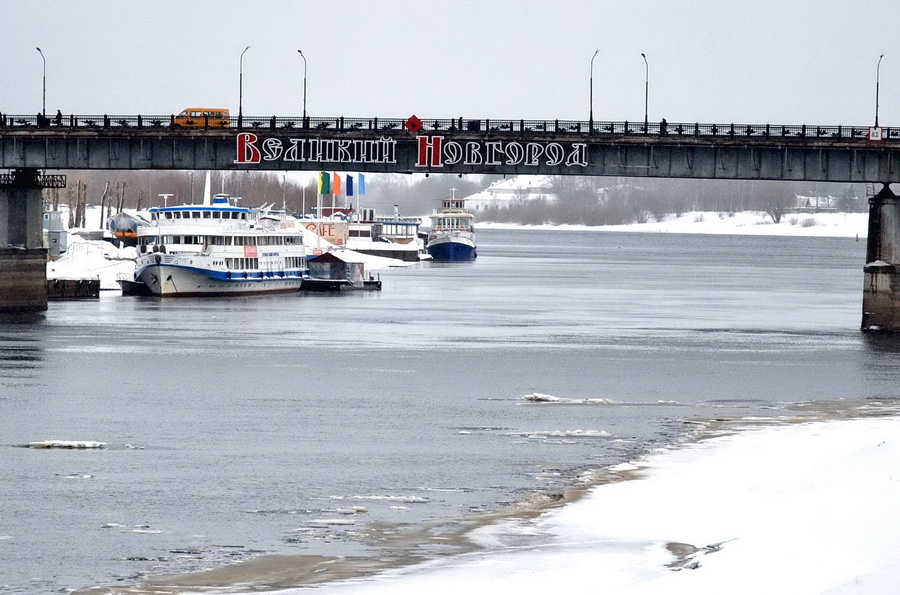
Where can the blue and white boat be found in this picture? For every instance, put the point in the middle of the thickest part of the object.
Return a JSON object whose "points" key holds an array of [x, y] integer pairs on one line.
{"points": [[219, 249], [452, 234]]}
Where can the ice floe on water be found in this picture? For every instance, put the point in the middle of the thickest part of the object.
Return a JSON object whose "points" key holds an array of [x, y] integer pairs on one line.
{"points": [[352, 510], [564, 434], [342, 521], [544, 398], [402, 499], [73, 444], [541, 398], [144, 529]]}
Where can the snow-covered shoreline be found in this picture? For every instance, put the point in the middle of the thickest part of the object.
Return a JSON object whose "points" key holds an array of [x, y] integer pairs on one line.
{"points": [[804, 508], [849, 225]]}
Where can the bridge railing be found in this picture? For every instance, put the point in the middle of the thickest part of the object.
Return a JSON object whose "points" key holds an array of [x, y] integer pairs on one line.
{"points": [[452, 125]]}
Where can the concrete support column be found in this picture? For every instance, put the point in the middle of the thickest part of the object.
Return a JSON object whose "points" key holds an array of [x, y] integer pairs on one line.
{"points": [[25, 210], [881, 284], [23, 259]]}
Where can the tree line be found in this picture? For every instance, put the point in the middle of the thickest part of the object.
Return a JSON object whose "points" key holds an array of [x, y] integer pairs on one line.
{"points": [[575, 199], [617, 201]]}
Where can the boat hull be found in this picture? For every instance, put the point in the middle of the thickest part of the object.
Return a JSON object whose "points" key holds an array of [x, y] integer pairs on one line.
{"points": [[167, 280], [452, 250]]}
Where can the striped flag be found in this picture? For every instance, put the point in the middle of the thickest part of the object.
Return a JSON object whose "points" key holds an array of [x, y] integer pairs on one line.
{"points": [[324, 183]]}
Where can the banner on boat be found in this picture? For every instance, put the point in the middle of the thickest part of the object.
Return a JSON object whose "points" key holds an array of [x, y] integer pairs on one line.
{"points": [[431, 151]]}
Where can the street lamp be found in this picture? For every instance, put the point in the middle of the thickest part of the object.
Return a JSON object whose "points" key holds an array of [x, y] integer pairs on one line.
{"points": [[241, 89], [304, 86], [44, 103], [877, 84], [646, 90], [591, 119]]}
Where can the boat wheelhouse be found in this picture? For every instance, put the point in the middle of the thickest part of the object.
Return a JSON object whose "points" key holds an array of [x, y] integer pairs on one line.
{"points": [[219, 250]]}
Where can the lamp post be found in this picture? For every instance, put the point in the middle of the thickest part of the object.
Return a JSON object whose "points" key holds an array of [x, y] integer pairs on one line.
{"points": [[591, 118], [44, 101], [304, 86], [877, 84], [241, 89], [646, 91]]}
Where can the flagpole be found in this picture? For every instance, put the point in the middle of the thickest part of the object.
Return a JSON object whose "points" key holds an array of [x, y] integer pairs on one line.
{"points": [[318, 220]]}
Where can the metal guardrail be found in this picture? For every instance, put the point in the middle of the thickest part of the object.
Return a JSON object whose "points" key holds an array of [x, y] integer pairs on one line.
{"points": [[452, 125]]}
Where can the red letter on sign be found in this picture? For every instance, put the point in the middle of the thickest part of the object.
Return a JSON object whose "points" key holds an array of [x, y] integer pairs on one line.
{"points": [[246, 148], [430, 145]]}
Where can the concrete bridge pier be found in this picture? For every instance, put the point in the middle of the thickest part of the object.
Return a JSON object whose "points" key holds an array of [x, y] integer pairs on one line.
{"points": [[881, 285], [23, 258]]}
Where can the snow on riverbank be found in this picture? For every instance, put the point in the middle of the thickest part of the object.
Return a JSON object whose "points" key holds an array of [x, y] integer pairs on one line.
{"points": [[746, 223], [794, 509]]}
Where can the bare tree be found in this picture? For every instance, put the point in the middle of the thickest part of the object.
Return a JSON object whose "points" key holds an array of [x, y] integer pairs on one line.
{"points": [[777, 202]]}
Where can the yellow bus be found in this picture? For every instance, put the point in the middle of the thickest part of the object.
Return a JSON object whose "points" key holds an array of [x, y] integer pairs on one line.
{"points": [[202, 117]]}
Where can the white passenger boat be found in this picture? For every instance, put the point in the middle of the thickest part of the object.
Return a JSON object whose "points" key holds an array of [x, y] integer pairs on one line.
{"points": [[452, 235], [219, 250]]}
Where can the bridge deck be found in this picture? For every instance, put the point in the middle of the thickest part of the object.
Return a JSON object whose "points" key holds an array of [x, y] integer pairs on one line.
{"points": [[456, 145]]}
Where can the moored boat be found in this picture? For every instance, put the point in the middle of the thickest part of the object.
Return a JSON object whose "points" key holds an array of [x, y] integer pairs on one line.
{"points": [[219, 249], [389, 237], [452, 235]]}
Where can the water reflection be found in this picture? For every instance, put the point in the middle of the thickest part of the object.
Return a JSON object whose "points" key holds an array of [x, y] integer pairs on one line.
{"points": [[883, 342], [21, 348]]}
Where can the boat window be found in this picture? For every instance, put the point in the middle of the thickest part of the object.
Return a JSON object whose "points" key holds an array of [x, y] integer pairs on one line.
{"points": [[207, 215], [216, 215], [195, 214]]}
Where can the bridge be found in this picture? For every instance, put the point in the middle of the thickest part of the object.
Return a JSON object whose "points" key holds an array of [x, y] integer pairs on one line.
{"points": [[455, 146], [826, 153]]}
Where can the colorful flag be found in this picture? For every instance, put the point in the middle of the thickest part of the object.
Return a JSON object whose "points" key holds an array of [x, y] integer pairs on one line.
{"points": [[324, 183], [362, 185], [349, 185], [336, 185]]}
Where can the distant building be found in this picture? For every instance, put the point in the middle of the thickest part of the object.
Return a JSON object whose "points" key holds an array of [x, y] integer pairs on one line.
{"points": [[817, 204], [511, 191]]}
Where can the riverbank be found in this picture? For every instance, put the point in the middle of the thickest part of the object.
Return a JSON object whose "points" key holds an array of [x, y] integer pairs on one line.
{"points": [[847, 225], [805, 508]]}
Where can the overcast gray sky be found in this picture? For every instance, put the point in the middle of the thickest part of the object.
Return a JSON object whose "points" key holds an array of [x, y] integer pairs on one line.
{"points": [[742, 61]]}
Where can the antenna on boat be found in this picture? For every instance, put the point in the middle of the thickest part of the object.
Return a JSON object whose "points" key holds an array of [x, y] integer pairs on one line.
{"points": [[207, 196]]}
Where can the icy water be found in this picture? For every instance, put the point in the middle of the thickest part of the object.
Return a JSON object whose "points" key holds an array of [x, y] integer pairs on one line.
{"points": [[312, 424]]}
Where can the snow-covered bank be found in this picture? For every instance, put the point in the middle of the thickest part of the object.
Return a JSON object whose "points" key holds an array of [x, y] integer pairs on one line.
{"points": [[745, 223], [794, 509]]}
